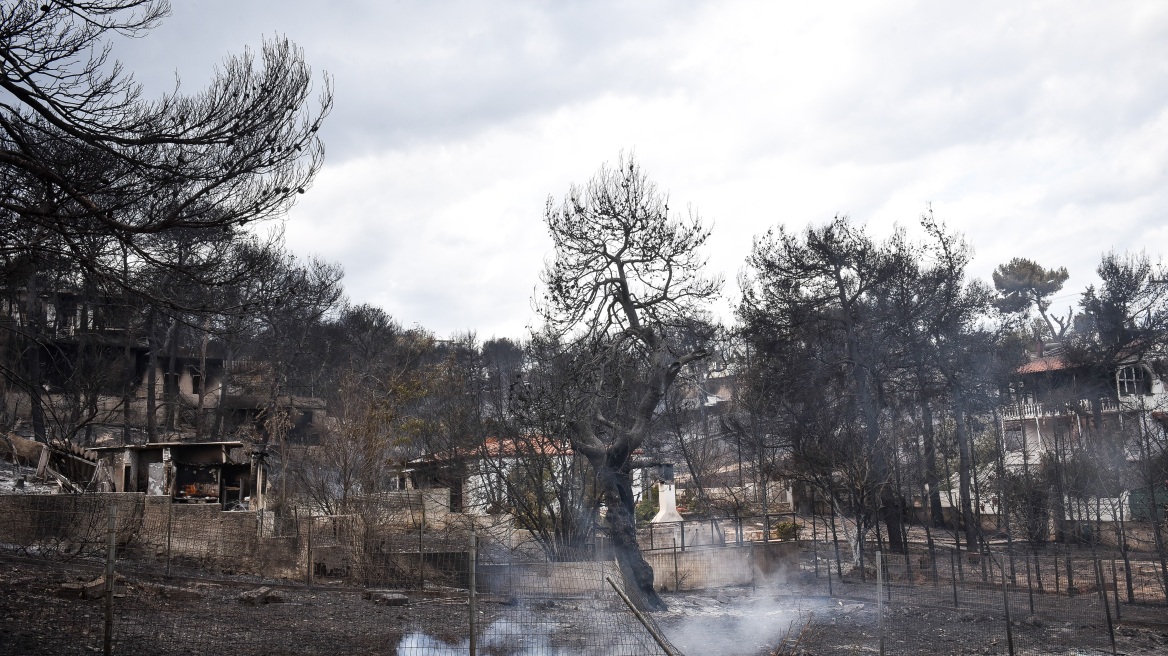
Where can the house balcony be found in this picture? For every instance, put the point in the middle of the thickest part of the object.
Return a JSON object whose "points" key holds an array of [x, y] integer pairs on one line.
{"points": [[1020, 411]]}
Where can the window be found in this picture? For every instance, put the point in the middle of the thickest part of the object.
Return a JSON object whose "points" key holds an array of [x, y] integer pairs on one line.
{"points": [[1134, 380], [1013, 439]]}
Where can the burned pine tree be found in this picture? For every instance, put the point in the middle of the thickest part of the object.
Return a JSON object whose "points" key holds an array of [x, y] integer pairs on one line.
{"points": [[245, 146], [822, 288], [625, 281], [99, 181]]}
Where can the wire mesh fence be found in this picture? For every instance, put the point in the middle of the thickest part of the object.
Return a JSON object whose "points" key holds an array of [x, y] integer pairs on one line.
{"points": [[192, 579], [399, 575]]}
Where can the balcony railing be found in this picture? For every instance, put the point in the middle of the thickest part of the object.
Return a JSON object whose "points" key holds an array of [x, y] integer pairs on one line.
{"points": [[1016, 411]]}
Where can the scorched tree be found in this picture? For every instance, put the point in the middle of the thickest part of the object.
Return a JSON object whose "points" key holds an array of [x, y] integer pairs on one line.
{"points": [[620, 296]]}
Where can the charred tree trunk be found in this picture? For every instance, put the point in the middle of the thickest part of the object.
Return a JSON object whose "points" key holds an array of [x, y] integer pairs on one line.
{"points": [[170, 381], [128, 384], [616, 492], [932, 477], [151, 379], [130, 379], [965, 466], [201, 388], [32, 346], [218, 428]]}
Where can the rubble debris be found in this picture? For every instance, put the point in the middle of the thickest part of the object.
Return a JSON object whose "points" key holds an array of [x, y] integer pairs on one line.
{"points": [[260, 596], [94, 589], [174, 592], [387, 598]]}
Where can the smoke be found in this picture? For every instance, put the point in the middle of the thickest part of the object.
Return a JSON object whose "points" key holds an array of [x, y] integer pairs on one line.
{"points": [[742, 621], [420, 643], [728, 626], [504, 636]]}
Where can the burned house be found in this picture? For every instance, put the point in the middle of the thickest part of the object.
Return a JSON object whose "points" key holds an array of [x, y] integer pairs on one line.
{"points": [[225, 473], [1057, 405], [1094, 427], [480, 479], [248, 413], [91, 372]]}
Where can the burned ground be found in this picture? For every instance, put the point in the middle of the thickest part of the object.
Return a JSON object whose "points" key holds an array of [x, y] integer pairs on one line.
{"points": [[42, 611]]}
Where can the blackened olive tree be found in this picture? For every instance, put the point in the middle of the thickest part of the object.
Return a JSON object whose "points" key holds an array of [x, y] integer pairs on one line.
{"points": [[625, 283]]}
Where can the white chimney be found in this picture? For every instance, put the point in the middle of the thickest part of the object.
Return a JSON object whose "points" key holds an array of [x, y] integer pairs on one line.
{"points": [[667, 500]]}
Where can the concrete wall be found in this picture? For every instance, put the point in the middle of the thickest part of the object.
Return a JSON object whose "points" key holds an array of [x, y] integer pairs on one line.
{"points": [[563, 578], [697, 569], [706, 568]]}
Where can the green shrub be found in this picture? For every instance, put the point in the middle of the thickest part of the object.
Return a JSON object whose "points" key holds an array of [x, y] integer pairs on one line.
{"points": [[785, 531]]}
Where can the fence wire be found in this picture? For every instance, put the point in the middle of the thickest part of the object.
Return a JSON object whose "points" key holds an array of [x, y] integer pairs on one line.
{"points": [[399, 575], [193, 579]]}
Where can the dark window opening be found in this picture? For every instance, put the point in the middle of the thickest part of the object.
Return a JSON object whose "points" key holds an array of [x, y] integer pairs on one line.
{"points": [[1013, 439], [1134, 380]]}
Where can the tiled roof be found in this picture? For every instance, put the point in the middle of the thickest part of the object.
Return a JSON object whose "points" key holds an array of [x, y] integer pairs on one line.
{"points": [[1039, 365]]}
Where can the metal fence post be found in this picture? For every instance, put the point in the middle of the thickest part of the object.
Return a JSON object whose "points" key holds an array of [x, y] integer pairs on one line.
{"points": [[110, 555], [1006, 606], [308, 567], [953, 573], [1010, 552], [933, 563], [880, 597], [1057, 580], [830, 592], [1029, 587], [471, 597], [815, 552], [1100, 583], [657, 637], [1115, 580], [421, 546], [169, 530], [676, 575]]}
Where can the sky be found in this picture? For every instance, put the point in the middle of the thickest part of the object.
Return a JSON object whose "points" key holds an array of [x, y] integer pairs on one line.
{"points": [[1035, 129]]}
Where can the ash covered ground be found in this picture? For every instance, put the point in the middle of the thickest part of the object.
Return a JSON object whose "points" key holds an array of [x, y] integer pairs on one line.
{"points": [[750, 622], [42, 611]]}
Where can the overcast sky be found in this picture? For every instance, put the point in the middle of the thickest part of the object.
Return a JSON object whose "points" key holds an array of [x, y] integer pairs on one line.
{"points": [[1036, 129]]}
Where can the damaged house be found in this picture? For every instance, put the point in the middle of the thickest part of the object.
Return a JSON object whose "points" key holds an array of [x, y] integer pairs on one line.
{"points": [[1092, 430], [224, 473], [118, 410]]}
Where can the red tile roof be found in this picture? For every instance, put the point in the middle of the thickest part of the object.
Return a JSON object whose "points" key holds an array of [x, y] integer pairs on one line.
{"points": [[1039, 365]]}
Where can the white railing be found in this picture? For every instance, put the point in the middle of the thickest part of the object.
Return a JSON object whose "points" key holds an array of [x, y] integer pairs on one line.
{"points": [[1016, 411]]}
